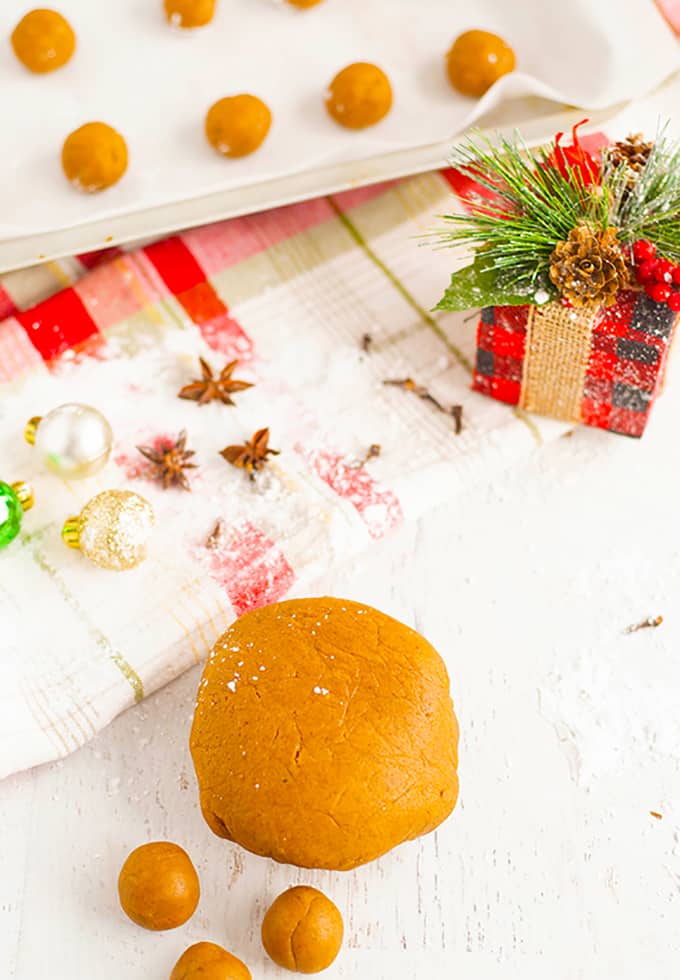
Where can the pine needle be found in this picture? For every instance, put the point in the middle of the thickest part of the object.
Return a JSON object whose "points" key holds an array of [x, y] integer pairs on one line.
{"points": [[533, 206], [651, 208]]}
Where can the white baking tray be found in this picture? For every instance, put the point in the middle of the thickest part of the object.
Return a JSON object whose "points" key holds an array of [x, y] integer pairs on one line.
{"points": [[154, 84], [230, 203]]}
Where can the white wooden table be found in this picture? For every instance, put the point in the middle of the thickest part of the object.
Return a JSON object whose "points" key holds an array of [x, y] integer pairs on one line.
{"points": [[552, 865]]}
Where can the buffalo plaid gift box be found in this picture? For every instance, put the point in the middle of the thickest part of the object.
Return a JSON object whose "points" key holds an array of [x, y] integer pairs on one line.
{"points": [[601, 367], [576, 268]]}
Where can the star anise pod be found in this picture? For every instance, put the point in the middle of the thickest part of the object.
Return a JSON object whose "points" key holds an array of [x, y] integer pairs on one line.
{"points": [[252, 455], [209, 388], [170, 461]]}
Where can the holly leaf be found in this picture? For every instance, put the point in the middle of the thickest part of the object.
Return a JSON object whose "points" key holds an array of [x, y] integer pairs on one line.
{"points": [[479, 284]]}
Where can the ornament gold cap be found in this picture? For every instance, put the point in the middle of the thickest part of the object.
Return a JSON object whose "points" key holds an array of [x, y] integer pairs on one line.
{"points": [[70, 533], [31, 429], [24, 492]]}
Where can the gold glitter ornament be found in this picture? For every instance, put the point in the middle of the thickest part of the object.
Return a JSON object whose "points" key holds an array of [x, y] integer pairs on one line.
{"points": [[112, 530]]}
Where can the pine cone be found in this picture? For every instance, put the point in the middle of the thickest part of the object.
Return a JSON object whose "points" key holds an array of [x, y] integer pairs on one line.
{"points": [[589, 268], [633, 153]]}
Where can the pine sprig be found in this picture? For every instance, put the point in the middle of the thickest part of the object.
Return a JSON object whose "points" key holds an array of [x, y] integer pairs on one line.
{"points": [[534, 206], [532, 202], [650, 208]]}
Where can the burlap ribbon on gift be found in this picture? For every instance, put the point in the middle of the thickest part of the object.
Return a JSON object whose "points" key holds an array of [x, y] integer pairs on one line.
{"points": [[558, 344]]}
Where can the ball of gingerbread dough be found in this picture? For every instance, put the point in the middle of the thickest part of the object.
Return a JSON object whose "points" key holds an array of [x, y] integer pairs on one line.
{"points": [[189, 13], [158, 886], [324, 734], [208, 961], [302, 930], [237, 125], [43, 40], [94, 157], [359, 96], [476, 60]]}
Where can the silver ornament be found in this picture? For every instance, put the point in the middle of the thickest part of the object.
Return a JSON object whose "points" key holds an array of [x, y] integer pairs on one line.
{"points": [[74, 440]]}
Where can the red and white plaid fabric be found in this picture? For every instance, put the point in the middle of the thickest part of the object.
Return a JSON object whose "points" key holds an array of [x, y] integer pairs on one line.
{"points": [[290, 294]]}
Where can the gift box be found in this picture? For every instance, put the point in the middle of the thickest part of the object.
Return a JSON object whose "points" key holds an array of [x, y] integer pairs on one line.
{"points": [[602, 367], [576, 269]]}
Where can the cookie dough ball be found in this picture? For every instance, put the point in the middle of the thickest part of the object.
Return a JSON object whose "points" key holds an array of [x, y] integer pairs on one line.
{"points": [[208, 961], [189, 13], [302, 930], [359, 96], [324, 734], [43, 41], [476, 60], [94, 157], [237, 125], [158, 886]]}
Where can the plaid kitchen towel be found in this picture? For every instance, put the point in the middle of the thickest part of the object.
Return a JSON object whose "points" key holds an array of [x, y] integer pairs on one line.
{"points": [[291, 294]]}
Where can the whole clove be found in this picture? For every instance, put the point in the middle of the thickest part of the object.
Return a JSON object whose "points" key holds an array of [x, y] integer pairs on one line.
{"points": [[215, 536], [650, 623], [408, 384], [372, 452]]}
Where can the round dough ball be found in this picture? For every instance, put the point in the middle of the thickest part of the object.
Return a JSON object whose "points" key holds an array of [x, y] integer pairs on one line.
{"points": [[237, 125], [189, 13], [324, 734], [94, 157], [208, 961], [302, 930], [476, 60], [359, 96], [158, 886], [43, 41]]}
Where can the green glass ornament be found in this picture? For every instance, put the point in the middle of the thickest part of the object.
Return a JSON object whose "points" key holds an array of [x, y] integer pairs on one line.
{"points": [[14, 500]]}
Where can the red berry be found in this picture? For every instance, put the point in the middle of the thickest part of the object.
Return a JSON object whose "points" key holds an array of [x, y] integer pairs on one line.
{"points": [[676, 274], [643, 250], [674, 302], [659, 291], [664, 270], [646, 271]]}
